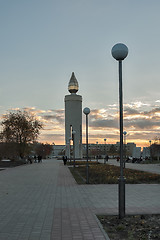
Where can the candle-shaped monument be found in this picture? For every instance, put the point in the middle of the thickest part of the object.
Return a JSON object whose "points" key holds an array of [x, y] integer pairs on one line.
{"points": [[73, 118]]}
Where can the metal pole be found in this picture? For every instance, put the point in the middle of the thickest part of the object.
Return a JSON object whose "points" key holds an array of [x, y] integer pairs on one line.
{"points": [[74, 149], [87, 167], [69, 150], [121, 179], [105, 152], [150, 151], [125, 150]]}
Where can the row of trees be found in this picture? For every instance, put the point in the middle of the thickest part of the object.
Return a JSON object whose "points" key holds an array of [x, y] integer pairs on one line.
{"points": [[20, 131]]}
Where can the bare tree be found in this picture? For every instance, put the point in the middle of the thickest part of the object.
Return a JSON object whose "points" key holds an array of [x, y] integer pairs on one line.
{"points": [[42, 149], [20, 128]]}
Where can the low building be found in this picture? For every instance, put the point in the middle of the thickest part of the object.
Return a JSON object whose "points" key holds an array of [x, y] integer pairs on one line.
{"points": [[95, 149], [58, 150], [136, 152], [146, 152]]}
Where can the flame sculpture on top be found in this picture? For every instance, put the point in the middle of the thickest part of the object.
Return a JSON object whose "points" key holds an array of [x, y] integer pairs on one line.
{"points": [[73, 84]]}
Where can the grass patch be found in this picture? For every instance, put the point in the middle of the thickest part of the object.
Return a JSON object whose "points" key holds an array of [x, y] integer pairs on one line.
{"points": [[131, 227], [109, 174]]}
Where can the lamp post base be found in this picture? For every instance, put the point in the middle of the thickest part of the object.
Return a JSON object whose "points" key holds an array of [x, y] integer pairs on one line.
{"points": [[121, 182]]}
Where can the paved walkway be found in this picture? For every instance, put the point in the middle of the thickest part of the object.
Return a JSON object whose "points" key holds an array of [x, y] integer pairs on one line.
{"points": [[153, 168], [43, 202]]}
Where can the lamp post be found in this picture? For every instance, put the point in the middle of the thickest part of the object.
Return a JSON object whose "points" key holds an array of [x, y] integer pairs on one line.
{"points": [[67, 149], [97, 152], [105, 150], [150, 150], [120, 52], [86, 111], [73, 138], [69, 152], [125, 136]]}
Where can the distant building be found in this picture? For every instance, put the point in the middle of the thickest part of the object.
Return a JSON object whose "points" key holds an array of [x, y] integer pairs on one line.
{"points": [[146, 152], [105, 149], [58, 150], [100, 150], [136, 152], [155, 151], [129, 148]]}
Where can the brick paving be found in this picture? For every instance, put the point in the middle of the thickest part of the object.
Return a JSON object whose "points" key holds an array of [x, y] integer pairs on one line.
{"points": [[42, 201]]}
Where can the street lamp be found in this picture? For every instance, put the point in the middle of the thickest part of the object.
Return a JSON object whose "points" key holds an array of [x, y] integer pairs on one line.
{"points": [[105, 143], [86, 111], [69, 151], [120, 52], [105, 151], [97, 152], [125, 149], [150, 150], [73, 138]]}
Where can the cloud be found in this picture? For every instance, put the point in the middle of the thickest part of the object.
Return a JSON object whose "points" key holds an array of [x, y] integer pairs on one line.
{"points": [[95, 114], [130, 111], [103, 135], [138, 104], [50, 118], [153, 111], [50, 138], [142, 124], [57, 115], [141, 121], [106, 123]]}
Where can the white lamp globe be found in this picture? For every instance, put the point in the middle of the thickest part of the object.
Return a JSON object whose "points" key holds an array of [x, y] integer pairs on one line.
{"points": [[119, 51], [86, 111]]}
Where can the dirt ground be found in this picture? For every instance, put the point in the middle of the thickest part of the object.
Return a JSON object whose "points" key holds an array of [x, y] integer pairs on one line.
{"points": [[132, 227]]}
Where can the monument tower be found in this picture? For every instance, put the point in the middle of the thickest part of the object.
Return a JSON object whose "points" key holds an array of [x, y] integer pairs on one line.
{"points": [[73, 118]]}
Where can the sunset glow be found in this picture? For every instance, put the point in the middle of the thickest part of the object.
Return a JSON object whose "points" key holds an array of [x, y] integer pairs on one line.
{"points": [[141, 125]]}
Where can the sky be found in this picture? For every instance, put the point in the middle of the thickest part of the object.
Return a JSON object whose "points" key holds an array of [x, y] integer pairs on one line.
{"points": [[44, 41]]}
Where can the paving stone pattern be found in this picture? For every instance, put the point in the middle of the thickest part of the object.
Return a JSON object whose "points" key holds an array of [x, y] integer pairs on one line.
{"points": [[42, 201]]}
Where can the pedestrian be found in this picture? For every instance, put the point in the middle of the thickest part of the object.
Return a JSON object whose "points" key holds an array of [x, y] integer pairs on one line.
{"points": [[64, 160], [29, 159], [35, 159], [106, 159], [39, 158]]}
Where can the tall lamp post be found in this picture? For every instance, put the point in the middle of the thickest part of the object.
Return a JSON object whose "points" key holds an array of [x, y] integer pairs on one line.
{"points": [[97, 151], [125, 149], [69, 153], [86, 111], [105, 151], [105, 144], [150, 150], [120, 52], [73, 138]]}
